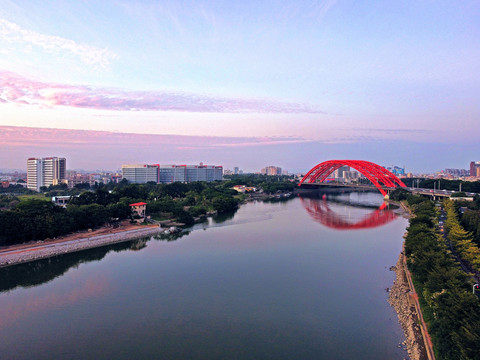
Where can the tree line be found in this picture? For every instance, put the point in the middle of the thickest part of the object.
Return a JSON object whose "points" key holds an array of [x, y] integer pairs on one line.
{"points": [[444, 290], [37, 219], [268, 183]]}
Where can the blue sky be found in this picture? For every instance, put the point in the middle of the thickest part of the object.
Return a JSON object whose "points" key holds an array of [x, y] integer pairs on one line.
{"points": [[290, 84]]}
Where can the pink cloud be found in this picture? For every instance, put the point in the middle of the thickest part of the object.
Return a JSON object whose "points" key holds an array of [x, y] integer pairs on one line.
{"points": [[90, 149], [15, 88], [25, 136]]}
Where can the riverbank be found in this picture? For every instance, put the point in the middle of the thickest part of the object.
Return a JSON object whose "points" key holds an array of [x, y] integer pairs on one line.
{"points": [[402, 300], [23, 253]]}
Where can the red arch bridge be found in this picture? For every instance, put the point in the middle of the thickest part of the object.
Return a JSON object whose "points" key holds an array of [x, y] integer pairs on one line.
{"points": [[383, 179]]}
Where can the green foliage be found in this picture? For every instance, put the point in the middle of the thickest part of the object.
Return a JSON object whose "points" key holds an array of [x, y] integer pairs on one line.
{"points": [[197, 210], [450, 309], [471, 222], [399, 194], [183, 216], [269, 184], [34, 219], [224, 204], [461, 239], [16, 190], [8, 201]]}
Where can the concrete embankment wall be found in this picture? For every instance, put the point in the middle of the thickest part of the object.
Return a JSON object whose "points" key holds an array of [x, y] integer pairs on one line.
{"points": [[43, 251]]}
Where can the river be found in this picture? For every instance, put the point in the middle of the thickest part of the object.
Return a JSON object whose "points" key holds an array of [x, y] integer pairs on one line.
{"points": [[297, 279]]}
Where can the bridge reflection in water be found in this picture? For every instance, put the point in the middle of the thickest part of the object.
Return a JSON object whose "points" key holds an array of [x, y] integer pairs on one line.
{"points": [[321, 212]]}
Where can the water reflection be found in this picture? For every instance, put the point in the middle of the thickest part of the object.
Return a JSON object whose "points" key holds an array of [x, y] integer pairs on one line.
{"points": [[42, 271], [171, 237], [320, 210], [13, 311]]}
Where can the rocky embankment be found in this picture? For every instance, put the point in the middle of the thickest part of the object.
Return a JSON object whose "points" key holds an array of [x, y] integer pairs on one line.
{"points": [[400, 298], [45, 250]]}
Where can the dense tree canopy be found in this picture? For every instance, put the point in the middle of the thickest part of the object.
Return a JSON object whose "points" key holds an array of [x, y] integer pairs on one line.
{"points": [[40, 219], [449, 307]]}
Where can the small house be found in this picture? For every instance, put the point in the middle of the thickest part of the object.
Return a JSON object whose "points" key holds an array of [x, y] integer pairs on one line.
{"points": [[139, 209]]}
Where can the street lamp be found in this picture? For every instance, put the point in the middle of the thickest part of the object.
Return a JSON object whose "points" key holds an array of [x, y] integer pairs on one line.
{"points": [[475, 287]]}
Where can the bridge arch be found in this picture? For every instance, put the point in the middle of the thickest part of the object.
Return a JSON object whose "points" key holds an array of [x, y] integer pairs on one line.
{"points": [[378, 175]]}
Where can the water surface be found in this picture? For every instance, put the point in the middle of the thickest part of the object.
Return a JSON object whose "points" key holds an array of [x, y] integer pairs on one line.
{"points": [[284, 280]]}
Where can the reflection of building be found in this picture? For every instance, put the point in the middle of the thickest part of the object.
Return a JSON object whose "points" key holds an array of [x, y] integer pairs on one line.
{"points": [[45, 172], [271, 170], [139, 209], [165, 174]]}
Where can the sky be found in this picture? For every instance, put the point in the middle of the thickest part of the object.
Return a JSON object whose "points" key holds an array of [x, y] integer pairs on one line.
{"points": [[247, 84]]}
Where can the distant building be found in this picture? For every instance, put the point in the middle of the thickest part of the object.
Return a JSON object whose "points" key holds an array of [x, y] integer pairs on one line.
{"points": [[140, 174], [189, 173], [475, 168], [235, 170], [396, 170], [61, 200], [45, 172], [166, 174], [271, 170], [244, 188], [340, 172], [456, 172]]}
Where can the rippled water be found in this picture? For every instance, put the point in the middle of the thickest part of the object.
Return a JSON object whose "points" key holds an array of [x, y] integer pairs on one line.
{"points": [[302, 279]]}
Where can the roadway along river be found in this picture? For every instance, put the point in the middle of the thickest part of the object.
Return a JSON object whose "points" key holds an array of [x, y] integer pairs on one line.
{"points": [[301, 279]]}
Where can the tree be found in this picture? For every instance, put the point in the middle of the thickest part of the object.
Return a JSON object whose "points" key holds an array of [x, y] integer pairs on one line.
{"points": [[223, 204]]}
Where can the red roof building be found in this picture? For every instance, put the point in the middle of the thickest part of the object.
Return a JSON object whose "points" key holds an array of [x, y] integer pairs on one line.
{"points": [[139, 209]]}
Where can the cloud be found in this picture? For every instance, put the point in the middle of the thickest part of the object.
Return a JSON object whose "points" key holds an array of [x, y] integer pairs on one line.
{"points": [[320, 8], [15, 88], [108, 150], [24, 38], [395, 131], [27, 136]]}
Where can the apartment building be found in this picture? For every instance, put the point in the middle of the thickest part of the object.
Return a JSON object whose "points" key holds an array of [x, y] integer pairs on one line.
{"points": [[45, 172]]}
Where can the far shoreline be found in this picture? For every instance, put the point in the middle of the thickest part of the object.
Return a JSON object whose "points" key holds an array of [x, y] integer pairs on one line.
{"points": [[104, 236]]}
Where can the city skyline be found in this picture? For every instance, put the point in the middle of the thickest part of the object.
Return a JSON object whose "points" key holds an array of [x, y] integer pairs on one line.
{"points": [[240, 84]]}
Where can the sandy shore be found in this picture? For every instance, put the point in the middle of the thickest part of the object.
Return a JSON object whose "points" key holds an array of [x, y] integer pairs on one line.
{"points": [[22, 253], [402, 300]]}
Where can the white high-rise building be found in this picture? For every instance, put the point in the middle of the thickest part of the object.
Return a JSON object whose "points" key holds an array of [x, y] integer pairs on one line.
{"points": [[34, 174], [140, 173], [45, 172], [166, 174]]}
